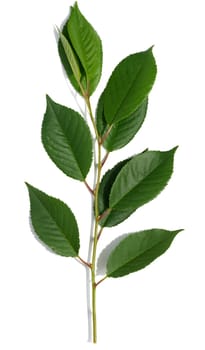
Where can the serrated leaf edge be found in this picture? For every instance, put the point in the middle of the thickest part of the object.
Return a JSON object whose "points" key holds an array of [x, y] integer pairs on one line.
{"points": [[30, 187], [145, 251]]}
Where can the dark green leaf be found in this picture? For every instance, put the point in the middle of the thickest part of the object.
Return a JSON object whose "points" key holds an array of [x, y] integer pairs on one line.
{"points": [[54, 223], [100, 118], [138, 250], [128, 86], [87, 46], [67, 140], [122, 132], [104, 193], [142, 179], [111, 217], [106, 185]]}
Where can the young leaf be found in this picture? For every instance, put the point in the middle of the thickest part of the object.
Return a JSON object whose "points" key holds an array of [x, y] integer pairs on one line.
{"points": [[54, 223], [128, 86], [87, 46], [122, 132], [142, 179], [66, 62], [138, 250], [71, 57], [67, 140]]}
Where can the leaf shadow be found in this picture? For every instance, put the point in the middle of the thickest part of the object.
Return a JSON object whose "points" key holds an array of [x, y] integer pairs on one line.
{"points": [[103, 257], [89, 256], [88, 288], [38, 239]]}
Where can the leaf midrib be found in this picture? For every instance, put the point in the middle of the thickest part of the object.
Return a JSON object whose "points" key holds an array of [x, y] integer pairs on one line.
{"points": [[127, 94], [70, 148], [138, 256], [137, 183]]}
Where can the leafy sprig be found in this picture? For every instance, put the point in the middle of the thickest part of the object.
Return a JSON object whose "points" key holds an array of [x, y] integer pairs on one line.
{"points": [[67, 139]]}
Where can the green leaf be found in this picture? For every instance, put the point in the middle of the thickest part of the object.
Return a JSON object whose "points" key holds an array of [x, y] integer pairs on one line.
{"points": [[142, 179], [132, 183], [66, 61], [67, 140], [87, 46], [128, 86], [71, 57], [111, 217], [54, 223], [138, 250], [122, 132]]}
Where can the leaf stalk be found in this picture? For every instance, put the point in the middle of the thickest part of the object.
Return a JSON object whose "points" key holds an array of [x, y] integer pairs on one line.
{"points": [[85, 262]]}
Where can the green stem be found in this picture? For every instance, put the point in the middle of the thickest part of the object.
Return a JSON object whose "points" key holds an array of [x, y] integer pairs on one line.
{"points": [[95, 234], [100, 281], [95, 241], [87, 101]]}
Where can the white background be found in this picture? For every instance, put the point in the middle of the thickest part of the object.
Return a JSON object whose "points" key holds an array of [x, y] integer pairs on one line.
{"points": [[43, 296]]}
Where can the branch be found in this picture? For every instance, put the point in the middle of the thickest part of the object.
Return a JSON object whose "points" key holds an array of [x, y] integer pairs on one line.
{"points": [[104, 159], [103, 138], [105, 213], [100, 281], [100, 232], [84, 262], [89, 188]]}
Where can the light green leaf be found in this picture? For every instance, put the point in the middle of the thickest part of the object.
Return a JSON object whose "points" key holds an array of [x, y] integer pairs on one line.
{"points": [[66, 64], [54, 223], [128, 86], [122, 132], [70, 57], [87, 46], [138, 250], [141, 179], [67, 140]]}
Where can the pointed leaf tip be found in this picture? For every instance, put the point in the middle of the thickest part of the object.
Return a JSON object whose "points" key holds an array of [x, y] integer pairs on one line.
{"points": [[129, 85], [87, 46], [141, 180], [67, 140], [76, 5], [48, 98], [138, 250], [54, 223]]}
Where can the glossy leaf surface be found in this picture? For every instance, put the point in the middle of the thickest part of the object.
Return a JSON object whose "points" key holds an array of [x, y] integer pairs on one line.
{"points": [[142, 179], [67, 140], [106, 184], [128, 86], [138, 250], [87, 46], [54, 223], [122, 132]]}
